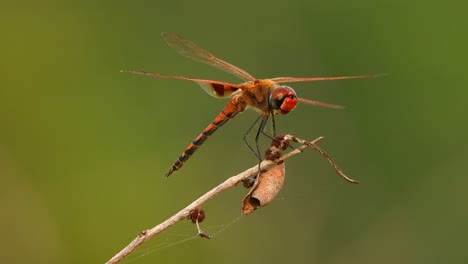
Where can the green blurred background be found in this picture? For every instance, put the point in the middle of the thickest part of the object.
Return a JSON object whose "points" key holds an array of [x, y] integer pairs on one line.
{"points": [[83, 147]]}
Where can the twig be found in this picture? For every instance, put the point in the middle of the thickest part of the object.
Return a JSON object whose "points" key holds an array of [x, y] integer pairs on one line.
{"points": [[230, 182], [324, 154]]}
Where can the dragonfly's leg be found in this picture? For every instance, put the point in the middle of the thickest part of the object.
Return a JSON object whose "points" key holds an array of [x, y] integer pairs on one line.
{"points": [[247, 133], [273, 124], [249, 181], [261, 127]]}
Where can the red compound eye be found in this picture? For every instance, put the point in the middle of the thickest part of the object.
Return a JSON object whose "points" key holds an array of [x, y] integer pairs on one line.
{"points": [[283, 99]]}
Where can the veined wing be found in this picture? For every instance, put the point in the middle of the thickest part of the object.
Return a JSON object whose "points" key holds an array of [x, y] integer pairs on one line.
{"points": [[315, 79], [191, 50], [318, 103], [214, 88]]}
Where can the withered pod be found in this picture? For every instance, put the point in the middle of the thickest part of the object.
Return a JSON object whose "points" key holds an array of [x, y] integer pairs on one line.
{"points": [[265, 189]]}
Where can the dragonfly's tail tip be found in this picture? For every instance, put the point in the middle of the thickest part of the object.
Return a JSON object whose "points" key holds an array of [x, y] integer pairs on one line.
{"points": [[380, 75], [169, 172], [340, 107]]}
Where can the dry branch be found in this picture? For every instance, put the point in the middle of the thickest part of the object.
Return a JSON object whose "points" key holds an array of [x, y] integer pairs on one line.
{"points": [[230, 182]]}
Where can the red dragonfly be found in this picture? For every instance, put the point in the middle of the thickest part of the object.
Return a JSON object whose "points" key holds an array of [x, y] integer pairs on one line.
{"points": [[265, 95]]}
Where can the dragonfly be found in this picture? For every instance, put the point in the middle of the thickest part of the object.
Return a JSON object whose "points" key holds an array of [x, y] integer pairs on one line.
{"points": [[268, 96]]}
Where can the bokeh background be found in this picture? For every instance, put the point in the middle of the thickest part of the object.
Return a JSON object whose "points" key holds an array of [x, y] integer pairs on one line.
{"points": [[83, 147]]}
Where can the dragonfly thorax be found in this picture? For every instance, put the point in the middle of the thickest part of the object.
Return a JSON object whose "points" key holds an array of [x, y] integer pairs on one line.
{"points": [[283, 99]]}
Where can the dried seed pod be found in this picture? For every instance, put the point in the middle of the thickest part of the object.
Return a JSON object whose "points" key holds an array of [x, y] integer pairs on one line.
{"points": [[196, 215], [267, 186]]}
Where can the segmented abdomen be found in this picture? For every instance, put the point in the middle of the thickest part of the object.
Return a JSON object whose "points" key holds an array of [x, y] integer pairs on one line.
{"points": [[230, 110]]}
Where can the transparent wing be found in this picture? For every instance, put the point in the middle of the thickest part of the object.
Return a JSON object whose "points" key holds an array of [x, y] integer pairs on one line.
{"points": [[318, 103], [191, 50], [214, 88], [315, 79]]}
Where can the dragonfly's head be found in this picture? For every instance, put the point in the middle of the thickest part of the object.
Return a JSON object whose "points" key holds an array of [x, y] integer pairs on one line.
{"points": [[283, 99]]}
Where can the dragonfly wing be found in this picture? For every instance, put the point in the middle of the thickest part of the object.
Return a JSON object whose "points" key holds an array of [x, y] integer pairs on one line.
{"points": [[318, 103], [191, 50], [218, 89], [315, 79], [213, 88]]}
